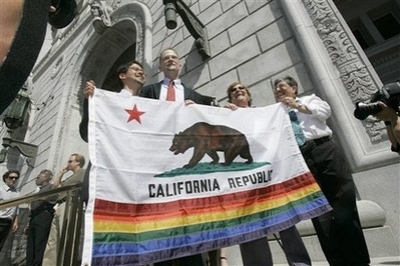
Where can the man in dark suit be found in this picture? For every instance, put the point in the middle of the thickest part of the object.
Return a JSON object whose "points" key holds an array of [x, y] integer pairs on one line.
{"points": [[171, 66]]}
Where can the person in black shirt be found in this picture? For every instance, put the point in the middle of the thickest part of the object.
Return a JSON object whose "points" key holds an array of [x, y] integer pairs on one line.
{"points": [[41, 215]]}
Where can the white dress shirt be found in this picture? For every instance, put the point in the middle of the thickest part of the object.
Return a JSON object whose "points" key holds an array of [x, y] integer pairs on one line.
{"points": [[314, 124], [126, 93], [6, 193]]}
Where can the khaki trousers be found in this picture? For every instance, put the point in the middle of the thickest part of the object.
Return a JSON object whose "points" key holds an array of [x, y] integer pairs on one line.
{"points": [[53, 243]]}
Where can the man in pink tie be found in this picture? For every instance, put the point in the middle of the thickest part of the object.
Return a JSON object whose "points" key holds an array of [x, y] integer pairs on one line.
{"points": [[171, 87]]}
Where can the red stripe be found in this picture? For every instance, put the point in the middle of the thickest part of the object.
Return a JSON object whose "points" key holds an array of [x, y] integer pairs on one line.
{"points": [[200, 205]]}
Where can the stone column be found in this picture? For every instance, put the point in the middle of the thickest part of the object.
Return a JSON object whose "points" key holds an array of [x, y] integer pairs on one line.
{"points": [[343, 76]]}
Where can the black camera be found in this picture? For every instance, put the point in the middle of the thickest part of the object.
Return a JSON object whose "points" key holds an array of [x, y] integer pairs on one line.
{"points": [[388, 94]]}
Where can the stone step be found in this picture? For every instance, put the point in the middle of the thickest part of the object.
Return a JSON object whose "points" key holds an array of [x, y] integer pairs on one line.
{"points": [[380, 238]]}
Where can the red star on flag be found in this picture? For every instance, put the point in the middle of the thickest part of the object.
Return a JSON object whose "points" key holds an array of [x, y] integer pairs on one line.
{"points": [[134, 114]]}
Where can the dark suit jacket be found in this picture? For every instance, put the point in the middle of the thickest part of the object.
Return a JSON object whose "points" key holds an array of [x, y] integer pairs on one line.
{"points": [[153, 91], [83, 125]]}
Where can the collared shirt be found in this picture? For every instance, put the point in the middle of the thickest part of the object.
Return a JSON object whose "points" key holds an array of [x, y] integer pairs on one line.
{"points": [[314, 125], [35, 204], [72, 179], [179, 90], [7, 193], [126, 93]]}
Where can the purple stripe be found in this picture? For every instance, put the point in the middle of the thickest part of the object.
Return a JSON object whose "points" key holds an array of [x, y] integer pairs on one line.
{"points": [[204, 241], [157, 256]]}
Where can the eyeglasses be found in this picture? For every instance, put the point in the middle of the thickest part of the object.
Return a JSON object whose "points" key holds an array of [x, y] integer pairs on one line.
{"points": [[236, 88], [137, 69], [13, 177]]}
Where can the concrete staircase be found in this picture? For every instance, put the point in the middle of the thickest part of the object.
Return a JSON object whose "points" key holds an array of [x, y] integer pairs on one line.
{"points": [[380, 238]]}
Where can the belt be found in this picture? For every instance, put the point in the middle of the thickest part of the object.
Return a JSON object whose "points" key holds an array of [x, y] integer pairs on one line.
{"points": [[43, 208], [311, 144], [39, 211], [5, 220], [321, 140]]}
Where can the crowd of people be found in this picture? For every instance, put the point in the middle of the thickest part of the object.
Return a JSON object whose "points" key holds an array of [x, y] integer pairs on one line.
{"points": [[339, 231], [46, 215]]}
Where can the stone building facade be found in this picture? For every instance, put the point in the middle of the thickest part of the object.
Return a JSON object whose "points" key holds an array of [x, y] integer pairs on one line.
{"points": [[250, 41]]}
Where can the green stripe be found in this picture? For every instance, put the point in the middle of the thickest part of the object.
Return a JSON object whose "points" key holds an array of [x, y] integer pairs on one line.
{"points": [[209, 226]]}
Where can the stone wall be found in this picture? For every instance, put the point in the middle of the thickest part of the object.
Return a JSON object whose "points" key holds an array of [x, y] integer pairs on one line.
{"points": [[250, 41]]}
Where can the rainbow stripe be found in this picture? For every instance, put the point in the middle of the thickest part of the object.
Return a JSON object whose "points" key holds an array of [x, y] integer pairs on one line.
{"points": [[130, 234]]}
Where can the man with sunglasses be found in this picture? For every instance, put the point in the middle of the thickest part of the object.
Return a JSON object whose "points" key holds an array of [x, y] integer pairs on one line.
{"points": [[75, 165], [8, 216]]}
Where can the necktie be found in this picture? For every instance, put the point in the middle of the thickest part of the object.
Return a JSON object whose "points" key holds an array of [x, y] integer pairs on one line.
{"points": [[171, 91], [297, 130]]}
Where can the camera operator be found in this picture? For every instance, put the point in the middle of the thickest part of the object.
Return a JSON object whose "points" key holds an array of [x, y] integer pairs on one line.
{"points": [[392, 122], [384, 105]]}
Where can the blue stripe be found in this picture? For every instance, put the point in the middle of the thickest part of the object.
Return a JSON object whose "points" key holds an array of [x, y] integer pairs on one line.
{"points": [[267, 226]]}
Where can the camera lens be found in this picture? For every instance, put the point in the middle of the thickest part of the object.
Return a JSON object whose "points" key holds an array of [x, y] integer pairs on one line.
{"points": [[363, 110]]}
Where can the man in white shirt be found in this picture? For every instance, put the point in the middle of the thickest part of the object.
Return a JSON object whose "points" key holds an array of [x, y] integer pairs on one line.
{"points": [[75, 165], [8, 216], [339, 231], [131, 77]]}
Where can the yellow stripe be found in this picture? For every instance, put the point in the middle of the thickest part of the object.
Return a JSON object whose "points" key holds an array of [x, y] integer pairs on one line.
{"points": [[116, 226]]}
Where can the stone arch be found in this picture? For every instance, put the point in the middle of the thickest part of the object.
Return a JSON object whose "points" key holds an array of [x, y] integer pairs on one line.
{"points": [[128, 37], [116, 42]]}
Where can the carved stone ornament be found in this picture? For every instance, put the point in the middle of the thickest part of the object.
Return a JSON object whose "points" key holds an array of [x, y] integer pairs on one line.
{"points": [[353, 72], [101, 13], [132, 12]]}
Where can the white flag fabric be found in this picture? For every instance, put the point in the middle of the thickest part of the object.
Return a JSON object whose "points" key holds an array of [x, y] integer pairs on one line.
{"points": [[169, 180]]}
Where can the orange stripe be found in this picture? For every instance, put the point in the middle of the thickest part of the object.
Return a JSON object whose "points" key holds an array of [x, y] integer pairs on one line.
{"points": [[239, 203], [113, 208]]}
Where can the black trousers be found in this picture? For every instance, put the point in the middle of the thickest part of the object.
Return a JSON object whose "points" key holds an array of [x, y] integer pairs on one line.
{"points": [[339, 231], [257, 252], [5, 227], [194, 260], [39, 229]]}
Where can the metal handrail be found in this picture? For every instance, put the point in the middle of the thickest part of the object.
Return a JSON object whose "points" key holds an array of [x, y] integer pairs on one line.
{"points": [[29, 198], [70, 233]]}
